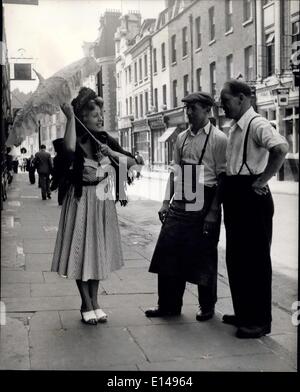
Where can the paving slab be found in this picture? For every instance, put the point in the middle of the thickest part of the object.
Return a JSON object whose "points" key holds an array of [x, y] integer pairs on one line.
{"points": [[38, 262], [91, 348], [22, 277], [15, 290], [35, 304], [45, 320], [136, 263], [240, 363], [58, 289], [117, 317], [14, 345], [192, 341], [117, 300], [39, 245]]}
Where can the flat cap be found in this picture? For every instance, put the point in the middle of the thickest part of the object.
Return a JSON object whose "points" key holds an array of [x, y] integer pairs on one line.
{"points": [[199, 96]]}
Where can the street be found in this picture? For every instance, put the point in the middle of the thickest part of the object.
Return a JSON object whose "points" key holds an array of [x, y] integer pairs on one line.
{"points": [[43, 328]]}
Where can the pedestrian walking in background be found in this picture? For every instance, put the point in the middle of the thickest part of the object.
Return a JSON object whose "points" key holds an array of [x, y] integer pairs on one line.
{"points": [[186, 250], [88, 243], [30, 167], [140, 162], [255, 153], [43, 163]]}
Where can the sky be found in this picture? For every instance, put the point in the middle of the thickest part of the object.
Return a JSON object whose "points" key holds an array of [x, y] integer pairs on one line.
{"points": [[53, 32]]}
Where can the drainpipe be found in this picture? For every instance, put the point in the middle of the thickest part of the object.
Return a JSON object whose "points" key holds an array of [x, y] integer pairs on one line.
{"points": [[151, 103]]}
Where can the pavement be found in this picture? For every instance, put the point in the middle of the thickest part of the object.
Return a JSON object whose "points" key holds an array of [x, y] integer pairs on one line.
{"points": [[42, 322]]}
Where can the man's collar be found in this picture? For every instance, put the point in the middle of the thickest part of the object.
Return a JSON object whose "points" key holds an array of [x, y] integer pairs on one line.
{"points": [[243, 122], [206, 129]]}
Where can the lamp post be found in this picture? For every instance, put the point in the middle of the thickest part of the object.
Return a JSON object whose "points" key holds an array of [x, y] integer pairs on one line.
{"points": [[39, 134]]}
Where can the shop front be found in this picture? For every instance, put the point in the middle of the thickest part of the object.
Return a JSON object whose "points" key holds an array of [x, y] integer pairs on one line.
{"points": [[124, 131], [158, 127], [141, 139], [279, 103], [176, 122]]}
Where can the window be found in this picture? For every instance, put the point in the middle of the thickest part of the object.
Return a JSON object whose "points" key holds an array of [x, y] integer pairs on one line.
{"points": [[141, 106], [270, 54], [184, 42], [146, 102], [213, 78], [164, 93], [175, 101], [129, 74], [229, 66], [198, 79], [211, 13], [296, 31], [130, 105], [154, 61], [119, 109], [186, 86], [135, 72], [146, 65], [228, 15], [249, 70], [265, 2], [126, 76], [163, 56], [173, 48], [198, 32], [136, 107], [126, 106], [141, 69], [247, 10], [118, 80], [156, 99]]}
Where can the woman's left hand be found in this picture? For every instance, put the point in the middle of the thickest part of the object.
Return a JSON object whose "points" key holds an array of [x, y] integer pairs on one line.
{"points": [[105, 150]]}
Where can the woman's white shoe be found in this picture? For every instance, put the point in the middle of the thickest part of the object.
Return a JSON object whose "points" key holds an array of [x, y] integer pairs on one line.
{"points": [[101, 316], [89, 317]]}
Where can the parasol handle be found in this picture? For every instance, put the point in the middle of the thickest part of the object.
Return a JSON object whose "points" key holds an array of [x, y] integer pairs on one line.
{"points": [[97, 141]]}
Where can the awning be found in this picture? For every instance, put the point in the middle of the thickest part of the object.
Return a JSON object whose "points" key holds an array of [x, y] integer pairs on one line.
{"points": [[167, 134]]}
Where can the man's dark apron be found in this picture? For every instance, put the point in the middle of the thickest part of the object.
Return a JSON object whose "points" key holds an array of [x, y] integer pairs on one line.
{"points": [[248, 222], [182, 250]]}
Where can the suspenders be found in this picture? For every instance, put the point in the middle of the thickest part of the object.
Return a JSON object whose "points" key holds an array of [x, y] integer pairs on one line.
{"points": [[244, 162], [203, 149]]}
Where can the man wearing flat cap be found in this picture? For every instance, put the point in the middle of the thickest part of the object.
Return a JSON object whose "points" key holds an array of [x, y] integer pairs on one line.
{"points": [[186, 250]]}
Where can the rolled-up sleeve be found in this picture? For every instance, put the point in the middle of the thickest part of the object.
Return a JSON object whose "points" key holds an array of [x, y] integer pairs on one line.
{"points": [[220, 154], [267, 136], [176, 151]]}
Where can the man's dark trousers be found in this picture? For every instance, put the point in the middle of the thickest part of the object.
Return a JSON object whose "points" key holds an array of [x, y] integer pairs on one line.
{"points": [[44, 182]]}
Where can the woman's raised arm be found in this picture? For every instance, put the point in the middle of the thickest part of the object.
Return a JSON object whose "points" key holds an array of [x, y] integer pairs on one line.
{"points": [[70, 133]]}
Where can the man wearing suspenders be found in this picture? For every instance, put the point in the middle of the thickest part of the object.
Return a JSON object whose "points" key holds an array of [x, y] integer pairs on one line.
{"points": [[255, 152], [186, 250]]}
